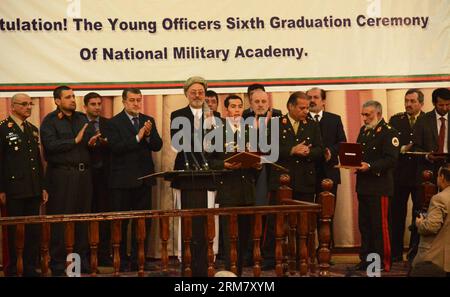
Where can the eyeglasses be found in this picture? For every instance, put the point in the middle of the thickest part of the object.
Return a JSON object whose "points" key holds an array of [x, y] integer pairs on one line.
{"points": [[24, 104], [195, 92]]}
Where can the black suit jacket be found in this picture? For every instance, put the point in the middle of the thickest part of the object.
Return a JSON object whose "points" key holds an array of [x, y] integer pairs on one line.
{"points": [[426, 140], [405, 172], [21, 174], [130, 159], [426, 133], [333, 134], [180, 159]]}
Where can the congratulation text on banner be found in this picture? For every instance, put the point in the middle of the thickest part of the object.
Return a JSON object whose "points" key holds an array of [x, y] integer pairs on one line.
{"points": [[158, 44]]}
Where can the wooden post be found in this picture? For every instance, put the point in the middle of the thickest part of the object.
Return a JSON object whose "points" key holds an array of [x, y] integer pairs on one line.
{"points": [[140, 237], [257, 232], [292, 241], [312, 226], [326, 199], [279, 236], [69, 236], [211, 233], [45, 241], [233, 243], [428, 190], [302, 229], [164, 235], [284, 191], [187, 236], [20, 243], [116, 237], [284, 195], [93, 243]]}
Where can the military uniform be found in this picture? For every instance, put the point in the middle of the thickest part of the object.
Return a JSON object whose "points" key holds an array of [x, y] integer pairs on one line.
{"points": [[380, 149], [235, 189], [69, 180], [21, 179], [302, 169], [405, 183]]}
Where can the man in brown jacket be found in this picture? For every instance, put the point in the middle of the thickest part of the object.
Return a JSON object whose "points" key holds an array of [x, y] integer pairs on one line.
{"points": [[434, 228]]}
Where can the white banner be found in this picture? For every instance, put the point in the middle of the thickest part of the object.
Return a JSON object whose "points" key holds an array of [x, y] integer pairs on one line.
{"points": [[158, 44]]}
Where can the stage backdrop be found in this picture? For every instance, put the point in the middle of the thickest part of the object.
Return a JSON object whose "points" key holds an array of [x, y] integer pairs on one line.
{"points": [[158, 44]]}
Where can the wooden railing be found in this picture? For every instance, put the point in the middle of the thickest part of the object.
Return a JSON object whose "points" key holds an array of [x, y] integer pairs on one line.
{"points": [[295, 246]]}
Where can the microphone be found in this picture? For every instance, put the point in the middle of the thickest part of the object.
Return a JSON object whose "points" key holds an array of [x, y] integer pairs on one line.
{"points": [[208, 116], [186, 161], [205, 162], [197, 165]]}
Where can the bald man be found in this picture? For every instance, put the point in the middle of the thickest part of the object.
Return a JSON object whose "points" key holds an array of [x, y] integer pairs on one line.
{"points": [[21, 179]]}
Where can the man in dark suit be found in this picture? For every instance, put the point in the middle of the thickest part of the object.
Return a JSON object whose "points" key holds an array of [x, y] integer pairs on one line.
{"points": [[100, 159], [375, 183], [189, 126], [300, 144], [405, 183], [132, 137], [21, 180], [66, 138], [333, 134], [432, 133]]}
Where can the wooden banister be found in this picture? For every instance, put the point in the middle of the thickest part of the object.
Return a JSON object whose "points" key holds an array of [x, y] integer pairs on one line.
{"points": [[326, 200], [288, 222], [116, 237], [257, 232], [45, 242], [211, 233], [140, 234], [233, 243], [20, 243], [93, 244], [164, 235], [187, 236]]}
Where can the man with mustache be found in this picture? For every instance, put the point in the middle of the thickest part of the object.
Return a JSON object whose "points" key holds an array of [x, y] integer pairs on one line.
{"points": [[405, 173], [21, 180], [375, 183]]}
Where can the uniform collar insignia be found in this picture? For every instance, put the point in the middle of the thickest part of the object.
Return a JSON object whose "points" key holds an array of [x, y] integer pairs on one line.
{"points": [[10, 124], [60, 115], [379, 129], [284, 121]]}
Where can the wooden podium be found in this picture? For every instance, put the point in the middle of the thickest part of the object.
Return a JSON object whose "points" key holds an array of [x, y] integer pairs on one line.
{"points": [[194, 185]]}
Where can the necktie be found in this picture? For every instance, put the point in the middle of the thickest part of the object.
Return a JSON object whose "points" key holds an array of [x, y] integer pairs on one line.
{"points": [[136, 123], [412, 121], [316, 117], [95, 124], [22, 126], [441, 135], [295, 125], [197, 121]]}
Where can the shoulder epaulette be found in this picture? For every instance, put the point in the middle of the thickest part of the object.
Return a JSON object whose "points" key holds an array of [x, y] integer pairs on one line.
{"points": [[399, 114]]}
